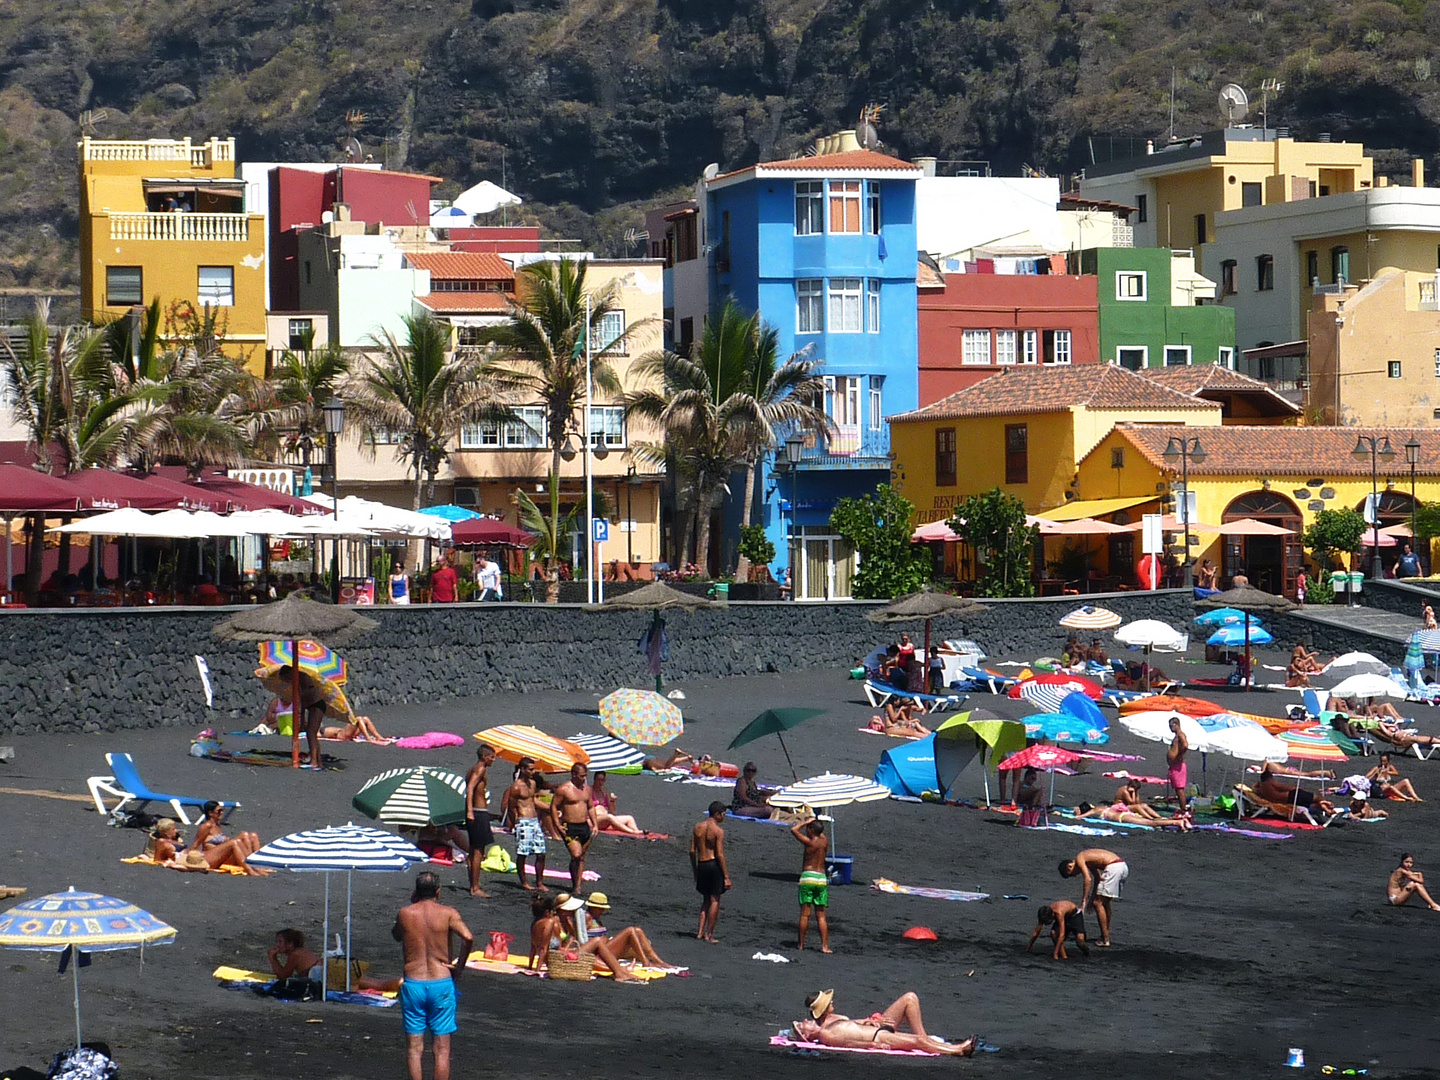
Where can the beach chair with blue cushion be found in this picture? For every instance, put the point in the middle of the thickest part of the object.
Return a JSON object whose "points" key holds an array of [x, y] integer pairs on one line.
{"points": [[989, 680], [132, 792], [879, 693]]}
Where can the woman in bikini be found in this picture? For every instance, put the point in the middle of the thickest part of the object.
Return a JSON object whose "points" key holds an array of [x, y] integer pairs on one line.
{"points": [[1390, 783], [562, 931], [674, 758], [1128, 796], [167, 848], [358, 726], [605, 816], [209, 834], [1121, 813], [1405, 882]]}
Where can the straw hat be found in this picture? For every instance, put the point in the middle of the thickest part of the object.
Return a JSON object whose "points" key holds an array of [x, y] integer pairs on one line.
{"points": [[598, 900], [821, 1005], [565, 902], [195, 860]]}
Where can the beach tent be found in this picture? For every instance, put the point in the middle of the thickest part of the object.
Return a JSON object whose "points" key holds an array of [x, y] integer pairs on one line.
{"points": [[961, 737], [928, 764]]}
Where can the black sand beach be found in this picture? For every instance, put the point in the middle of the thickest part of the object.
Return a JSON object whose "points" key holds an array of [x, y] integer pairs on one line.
{"points": [[1228, 950]]}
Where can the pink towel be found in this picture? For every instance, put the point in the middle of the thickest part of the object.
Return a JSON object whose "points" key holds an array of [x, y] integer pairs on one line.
{"points": [[431, 740]]}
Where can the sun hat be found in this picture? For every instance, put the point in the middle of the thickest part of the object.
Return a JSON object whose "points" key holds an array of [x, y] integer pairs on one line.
{"points": [[821, 1005], [195, 860], [565, 902], [598, 900]]}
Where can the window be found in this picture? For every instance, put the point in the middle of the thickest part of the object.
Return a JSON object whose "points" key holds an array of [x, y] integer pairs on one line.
{"points": [[687, 332], [1117, 457], [1057, 347], [1017, 454], [1229, 278], [848, 387], [123, 286], [1250, 195], [1264, 273], [1177, 355], [872, 208], [607, 426], [1199, 229], [1437, 363], [872, 305], [877, 411], [809, 306], [1226, 357], [217, 286], [844, 206], [975, 347], [1142, 208], [308, 280], [1005, 346], [809, 208], [1394, 369], [1312, 268], [301, 334], [1340, 265], [845, 306], [1130, 285], [608, 329], [945, 463], [525, 432], [1030, 347], [1133, 357]]}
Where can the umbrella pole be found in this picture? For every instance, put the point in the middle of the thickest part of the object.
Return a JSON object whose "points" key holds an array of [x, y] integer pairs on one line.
{"points": [[793, 773], [75, 975], [295, 707], [1246, 681], [349, 890], [925, 676], [325, 945], [1204, 768]]}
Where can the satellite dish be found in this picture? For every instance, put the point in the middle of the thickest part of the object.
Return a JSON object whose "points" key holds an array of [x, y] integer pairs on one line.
{"points": [[354, 151], [1234, 103], [711, 171], [865, 131]]}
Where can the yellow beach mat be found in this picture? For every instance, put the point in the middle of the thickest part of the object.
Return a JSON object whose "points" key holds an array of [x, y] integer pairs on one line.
{"points": [[145, 860], [260, 978], [8, 891], [514, 963]]}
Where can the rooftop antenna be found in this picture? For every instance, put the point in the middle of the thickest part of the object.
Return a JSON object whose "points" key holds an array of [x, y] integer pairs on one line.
{"points": [[90, 118], [865, 129], [1172, 104], [1234, 103], [1268, 87]]}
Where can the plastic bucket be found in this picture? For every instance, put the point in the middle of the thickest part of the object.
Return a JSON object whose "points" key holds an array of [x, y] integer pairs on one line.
{"points": [[1356, 581], [838, 868]]}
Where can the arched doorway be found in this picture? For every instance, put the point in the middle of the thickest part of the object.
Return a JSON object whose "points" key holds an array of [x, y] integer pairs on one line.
{"points": [[1395, 508], [1270, 562]]}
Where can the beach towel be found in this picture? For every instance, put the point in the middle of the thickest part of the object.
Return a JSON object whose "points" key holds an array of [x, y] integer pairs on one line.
{"points": [[885, 885], [145, 860], [1256, 833], [232, 978], [520, 963], [431, 740], [711, 781], [265, 757], [818, 1048], [1078, 830]]}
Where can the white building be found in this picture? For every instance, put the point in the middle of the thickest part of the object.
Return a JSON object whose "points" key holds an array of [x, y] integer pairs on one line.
{"points": [[361, 280]]}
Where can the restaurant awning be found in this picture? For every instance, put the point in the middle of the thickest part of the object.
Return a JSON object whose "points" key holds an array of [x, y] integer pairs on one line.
{"points": [[107, 489], [25, 491], [1089, 508]]}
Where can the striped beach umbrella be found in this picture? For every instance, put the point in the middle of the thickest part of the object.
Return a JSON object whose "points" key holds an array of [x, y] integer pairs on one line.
{"points": [[828, 790], [642, 717], [315, 658], [1047, 695], [420, 795], [1091, 618], [515, 741], [1310, 744], [609, 754], [83, 921], [1429, 640]]}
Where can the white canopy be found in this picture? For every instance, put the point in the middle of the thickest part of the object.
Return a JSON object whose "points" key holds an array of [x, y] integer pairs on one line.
{"points": [[484, 198], [115, 523], [383, 519], [1150, 633]]}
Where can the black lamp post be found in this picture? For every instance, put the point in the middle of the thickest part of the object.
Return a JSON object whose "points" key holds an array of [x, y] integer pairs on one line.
{"points": [[334, 412], [632, 481], [1412, 458], [1378, 447], [1185, 450], [794, 451]]}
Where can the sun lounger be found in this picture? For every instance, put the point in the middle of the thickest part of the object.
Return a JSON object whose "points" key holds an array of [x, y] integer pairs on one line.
{"points": [[132, 792], [1284, 811], [878, 694], [982, 679]]}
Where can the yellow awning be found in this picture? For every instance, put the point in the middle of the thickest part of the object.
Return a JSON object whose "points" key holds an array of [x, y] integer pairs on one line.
{"points": [[1085, 508]]}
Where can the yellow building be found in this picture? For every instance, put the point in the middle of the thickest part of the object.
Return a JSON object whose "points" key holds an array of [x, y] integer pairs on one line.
{"points": [[1023, 430], [166, 218], [1279, 475], [1375, 352]]}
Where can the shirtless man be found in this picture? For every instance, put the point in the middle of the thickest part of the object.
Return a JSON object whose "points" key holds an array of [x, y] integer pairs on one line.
{"points": [[572, 812], [425, 928], [707, 860], [1405, 882], [1129, 794], [879, 1030], [1175, 763], [1103, 873], [814, 883], [529, 836], [477, 814], [1065, 920]]}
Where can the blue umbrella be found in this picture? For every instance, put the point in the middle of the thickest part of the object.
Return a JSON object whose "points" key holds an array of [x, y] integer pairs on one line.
{"points": [[1231, 636], [1062, 727], [450, 512], [1220, 617]]}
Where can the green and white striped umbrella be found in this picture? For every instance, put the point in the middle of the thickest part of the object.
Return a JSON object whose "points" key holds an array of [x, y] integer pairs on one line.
{"points": [[421, 795]]}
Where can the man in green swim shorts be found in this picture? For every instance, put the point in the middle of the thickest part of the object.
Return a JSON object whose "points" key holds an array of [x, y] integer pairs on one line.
{"points": [[814, 885]]}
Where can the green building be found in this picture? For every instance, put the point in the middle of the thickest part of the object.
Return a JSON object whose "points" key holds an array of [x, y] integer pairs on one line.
{"points": [[1156, 310]]}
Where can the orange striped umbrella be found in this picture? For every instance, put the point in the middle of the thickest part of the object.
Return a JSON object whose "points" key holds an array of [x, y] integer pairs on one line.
{"points": [[514, 741], [1311, 744]]}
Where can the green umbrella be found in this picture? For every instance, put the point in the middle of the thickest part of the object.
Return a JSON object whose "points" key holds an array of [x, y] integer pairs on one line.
{"points": [[773, 722], [421, 795], [1001, 737]]}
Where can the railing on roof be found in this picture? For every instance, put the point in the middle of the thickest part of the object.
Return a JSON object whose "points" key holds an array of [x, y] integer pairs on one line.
{"points": [[198, 155], [173, 225]]}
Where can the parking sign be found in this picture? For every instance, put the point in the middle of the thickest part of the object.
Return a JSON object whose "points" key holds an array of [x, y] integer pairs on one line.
{"points": [[600, 529]]}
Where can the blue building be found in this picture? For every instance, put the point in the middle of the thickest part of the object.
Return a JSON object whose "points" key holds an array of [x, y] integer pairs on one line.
{"points": [[824, 247]]}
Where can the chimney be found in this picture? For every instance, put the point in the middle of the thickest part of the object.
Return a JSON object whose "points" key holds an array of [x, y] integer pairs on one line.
{"points": [[926, 165], [846, 141], [1417, 172], [342, 211]]}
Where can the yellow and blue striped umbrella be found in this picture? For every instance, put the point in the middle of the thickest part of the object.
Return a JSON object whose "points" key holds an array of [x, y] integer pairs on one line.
{"points": [[641, 717]]}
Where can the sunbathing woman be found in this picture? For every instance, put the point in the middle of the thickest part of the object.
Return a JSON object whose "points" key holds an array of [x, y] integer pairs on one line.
{"points": [[677, 757], [358, 726], [557, 927], [289, 958], [1405, 882], [165, 846], [1390, 783], [605, 816], [632, 943], [823, 1025], [1120, 812], [1128, 795], [209, 833], [1400, 738]]}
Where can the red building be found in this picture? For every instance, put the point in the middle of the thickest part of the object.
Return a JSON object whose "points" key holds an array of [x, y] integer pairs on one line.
{"points": [[495, 239], [973, 325]]}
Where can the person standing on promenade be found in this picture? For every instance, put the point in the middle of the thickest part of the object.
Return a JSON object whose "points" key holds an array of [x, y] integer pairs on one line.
{"points": [[425, 928], [707, 860], [477, 815], [572, 812], [814, 884], [1103, 873]]}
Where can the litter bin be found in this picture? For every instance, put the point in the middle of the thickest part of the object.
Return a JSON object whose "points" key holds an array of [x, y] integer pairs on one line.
{"points": [[838, 868], [720, 591], [1339, 581], [1356, 582]]}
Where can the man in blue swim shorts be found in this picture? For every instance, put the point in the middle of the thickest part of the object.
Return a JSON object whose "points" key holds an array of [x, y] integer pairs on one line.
{"points": [[425, 929]]}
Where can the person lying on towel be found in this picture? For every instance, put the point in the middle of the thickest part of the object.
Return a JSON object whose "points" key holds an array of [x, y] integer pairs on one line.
{"points": [[289, 958], [166, 847], [879, 1031]]}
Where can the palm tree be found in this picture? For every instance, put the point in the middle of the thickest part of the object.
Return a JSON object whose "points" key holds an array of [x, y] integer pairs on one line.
{"points": [[302, 382], [424, 393], [540, 353]]}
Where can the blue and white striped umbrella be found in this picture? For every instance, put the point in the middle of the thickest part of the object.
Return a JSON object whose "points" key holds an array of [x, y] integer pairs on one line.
{"points": [[830, 789], [1045, 696], [1429, 640], [608, 754], [342, 848]]}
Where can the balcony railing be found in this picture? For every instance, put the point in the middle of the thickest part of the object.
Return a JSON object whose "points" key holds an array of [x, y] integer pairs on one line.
{"points": [[1428, 293], [198, 156], [171, 225]]}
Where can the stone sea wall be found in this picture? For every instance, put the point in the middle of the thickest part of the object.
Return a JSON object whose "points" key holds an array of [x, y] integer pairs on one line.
{"points": [[107, 669]]}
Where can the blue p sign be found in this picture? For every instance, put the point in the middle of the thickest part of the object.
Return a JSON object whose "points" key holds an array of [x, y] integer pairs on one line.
{"points": [[600, 529]]}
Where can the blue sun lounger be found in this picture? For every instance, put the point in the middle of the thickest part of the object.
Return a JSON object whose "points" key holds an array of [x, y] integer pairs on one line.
{"points": [[125, 784], [996, 684], [879, 693]]}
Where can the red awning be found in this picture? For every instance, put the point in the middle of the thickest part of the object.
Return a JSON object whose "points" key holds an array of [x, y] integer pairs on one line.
{"points": [[25, 491], [253, 496], [188, 497], [106, 489], [487, 532]]}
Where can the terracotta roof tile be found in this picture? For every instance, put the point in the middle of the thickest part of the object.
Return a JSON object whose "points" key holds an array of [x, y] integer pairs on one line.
{"points": [[1258, 451], [462, 265], [1021, 390], [1203, 380], [845, 161], [457, 303]]}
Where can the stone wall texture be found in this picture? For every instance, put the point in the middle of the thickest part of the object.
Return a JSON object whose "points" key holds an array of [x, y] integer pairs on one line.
{"points": [[106, 669]]}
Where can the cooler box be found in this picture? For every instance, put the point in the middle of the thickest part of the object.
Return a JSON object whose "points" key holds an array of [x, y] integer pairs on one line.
{"points": [[838, 868]]}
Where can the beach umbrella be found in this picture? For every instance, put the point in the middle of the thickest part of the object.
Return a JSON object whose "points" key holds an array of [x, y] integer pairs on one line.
{"points": [[926, 604], [610, 755], [1248, 599], [1414, 654], [775, 722], [450, 512], [419, 795], [1355, 663], [1155, 727], [1062, 727], [75, 923], [827, 791], [338, 849], [1367, 686], [1044, 758], [1064, 680], [657, 598], [315, 658], [1310, 744], [1150, 634], [1238, 737], [1091, 618], [1220, 617], [488, 532], [641, 716], [995, 736], [295, 619], [934, 532], [1043, 696], [1429, 640], [1233, 634], [515, 741]]}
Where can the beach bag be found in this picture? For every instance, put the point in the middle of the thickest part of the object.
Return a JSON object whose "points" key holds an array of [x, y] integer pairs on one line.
{"points": [[497, 860], [295, 988], [335, 972], [1225, 803], [83, 1063], [498, 947], [569, 965]]}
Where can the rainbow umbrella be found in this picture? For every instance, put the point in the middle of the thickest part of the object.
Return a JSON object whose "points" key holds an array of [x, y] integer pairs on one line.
{"points": [[515, 741], [641, 717], [1310, 744], [315, 659]]}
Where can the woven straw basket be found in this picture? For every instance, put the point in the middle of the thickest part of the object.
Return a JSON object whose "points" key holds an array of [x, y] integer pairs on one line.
{"points": [[581, 970]]}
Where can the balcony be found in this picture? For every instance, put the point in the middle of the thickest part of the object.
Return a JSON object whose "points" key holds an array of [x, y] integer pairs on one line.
{"points": [[201, 228], [1428, 292], [197, 156]]}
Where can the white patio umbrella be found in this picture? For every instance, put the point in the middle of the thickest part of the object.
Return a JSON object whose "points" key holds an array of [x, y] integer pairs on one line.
{"points": [[266, 521], [113, 523], [1368, 685], [1150, 634], [214, 525], [1355, 663]]}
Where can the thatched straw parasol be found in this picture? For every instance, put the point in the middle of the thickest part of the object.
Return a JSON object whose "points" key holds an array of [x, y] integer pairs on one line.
{"points": [[926, 604], [655, 597], [1247, 598]]}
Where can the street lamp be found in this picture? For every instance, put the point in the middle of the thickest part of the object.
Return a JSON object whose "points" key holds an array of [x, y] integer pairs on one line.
{"points": [[794, 451], [1185, 450], [1378, 448], [632, 481], [1412, 458], [334, 413]]}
